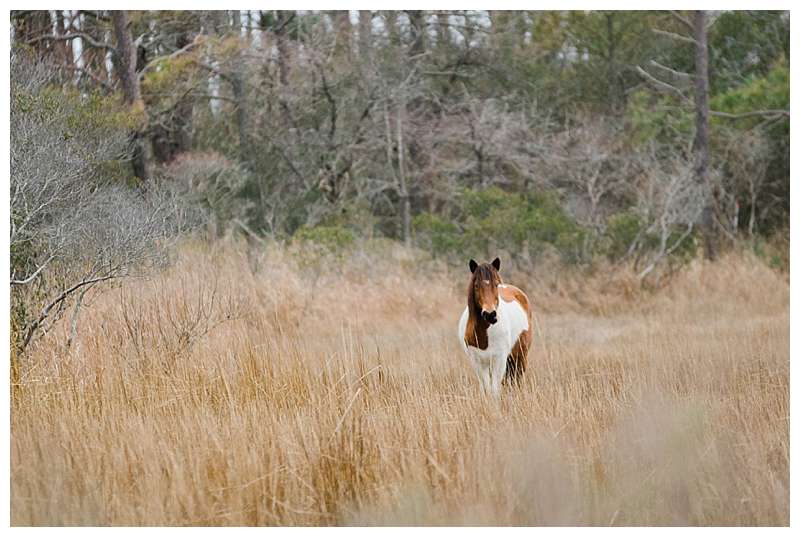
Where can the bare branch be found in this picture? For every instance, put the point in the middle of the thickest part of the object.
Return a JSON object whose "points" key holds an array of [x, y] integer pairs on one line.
{"points": [[753, 113], [666, 252], [661, 84], [73, 330], [70, 36], [155, 61], [677, 37], [680, 75], [252, 234], [29, 279], [59, 300], [713, 16], [683, 20]]}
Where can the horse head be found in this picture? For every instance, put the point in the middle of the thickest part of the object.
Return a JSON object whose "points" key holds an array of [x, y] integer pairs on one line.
{"points": [[483, 294]]}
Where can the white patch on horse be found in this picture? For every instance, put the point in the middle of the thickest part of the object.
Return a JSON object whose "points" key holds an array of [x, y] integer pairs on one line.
{"points": [[490, 363]]}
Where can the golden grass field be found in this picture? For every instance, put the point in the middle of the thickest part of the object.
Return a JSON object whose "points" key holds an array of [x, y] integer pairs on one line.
{"points": [[238, 389]]}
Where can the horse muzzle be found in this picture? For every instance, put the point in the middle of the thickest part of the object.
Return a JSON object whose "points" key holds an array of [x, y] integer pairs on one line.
{"points": [[489, 316]]}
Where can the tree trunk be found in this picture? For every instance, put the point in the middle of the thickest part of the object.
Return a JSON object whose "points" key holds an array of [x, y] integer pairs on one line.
{"points": [[405, 198], [700, 146], [418, 30], [283, 46], [522, 24], [390, 19], [442, 31], [364, 35], [468, 30], [174, 135], [240, 96], [184, 109], [343, 29], [280, 32], [411, 108], [63, 49], [126, 58], [502, 41], [126, 69], [29, 25], [611, 67], [95, 58]]}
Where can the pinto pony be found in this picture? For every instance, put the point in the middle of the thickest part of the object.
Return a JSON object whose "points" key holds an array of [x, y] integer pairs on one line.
{"points": [[496, 327]]}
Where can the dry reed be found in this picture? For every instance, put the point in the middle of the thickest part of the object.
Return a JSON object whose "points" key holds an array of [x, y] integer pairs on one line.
{"points": [[244, 389]]}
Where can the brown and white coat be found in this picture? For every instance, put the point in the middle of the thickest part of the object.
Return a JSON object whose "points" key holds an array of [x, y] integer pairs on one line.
{"points": [[496, 327]]}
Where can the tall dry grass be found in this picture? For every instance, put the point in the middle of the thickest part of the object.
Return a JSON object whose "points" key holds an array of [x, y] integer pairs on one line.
{"points": [[255, 389]]}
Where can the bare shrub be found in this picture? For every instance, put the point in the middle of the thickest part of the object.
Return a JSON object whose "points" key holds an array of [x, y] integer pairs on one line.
{"points": [[72, 229], [745, 158]]}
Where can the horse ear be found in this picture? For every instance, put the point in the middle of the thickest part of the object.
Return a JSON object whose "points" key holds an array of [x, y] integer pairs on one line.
{"points": [[472, 265], [496, 263]]}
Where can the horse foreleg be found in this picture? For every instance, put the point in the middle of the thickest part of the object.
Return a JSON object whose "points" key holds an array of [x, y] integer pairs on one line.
{"points": [[481, 372], [486, 379], [498, 370]]}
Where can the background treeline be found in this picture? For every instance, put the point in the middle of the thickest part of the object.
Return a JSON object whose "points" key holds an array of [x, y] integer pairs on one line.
{"points": [[640, 137]]}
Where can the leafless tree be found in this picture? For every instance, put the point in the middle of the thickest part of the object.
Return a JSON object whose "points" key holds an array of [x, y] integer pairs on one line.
{"points": [[588, 162], [669, 202]]}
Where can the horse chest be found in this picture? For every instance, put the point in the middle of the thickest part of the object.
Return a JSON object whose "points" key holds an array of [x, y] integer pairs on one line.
{"points": [[500, 336], [497, 348]]}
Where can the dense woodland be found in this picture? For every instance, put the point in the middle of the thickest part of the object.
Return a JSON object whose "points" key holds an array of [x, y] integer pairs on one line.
{"points": [[636, 137]]}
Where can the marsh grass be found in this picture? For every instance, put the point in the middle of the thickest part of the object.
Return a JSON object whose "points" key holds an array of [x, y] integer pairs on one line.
{"points": [[236, 389]]}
